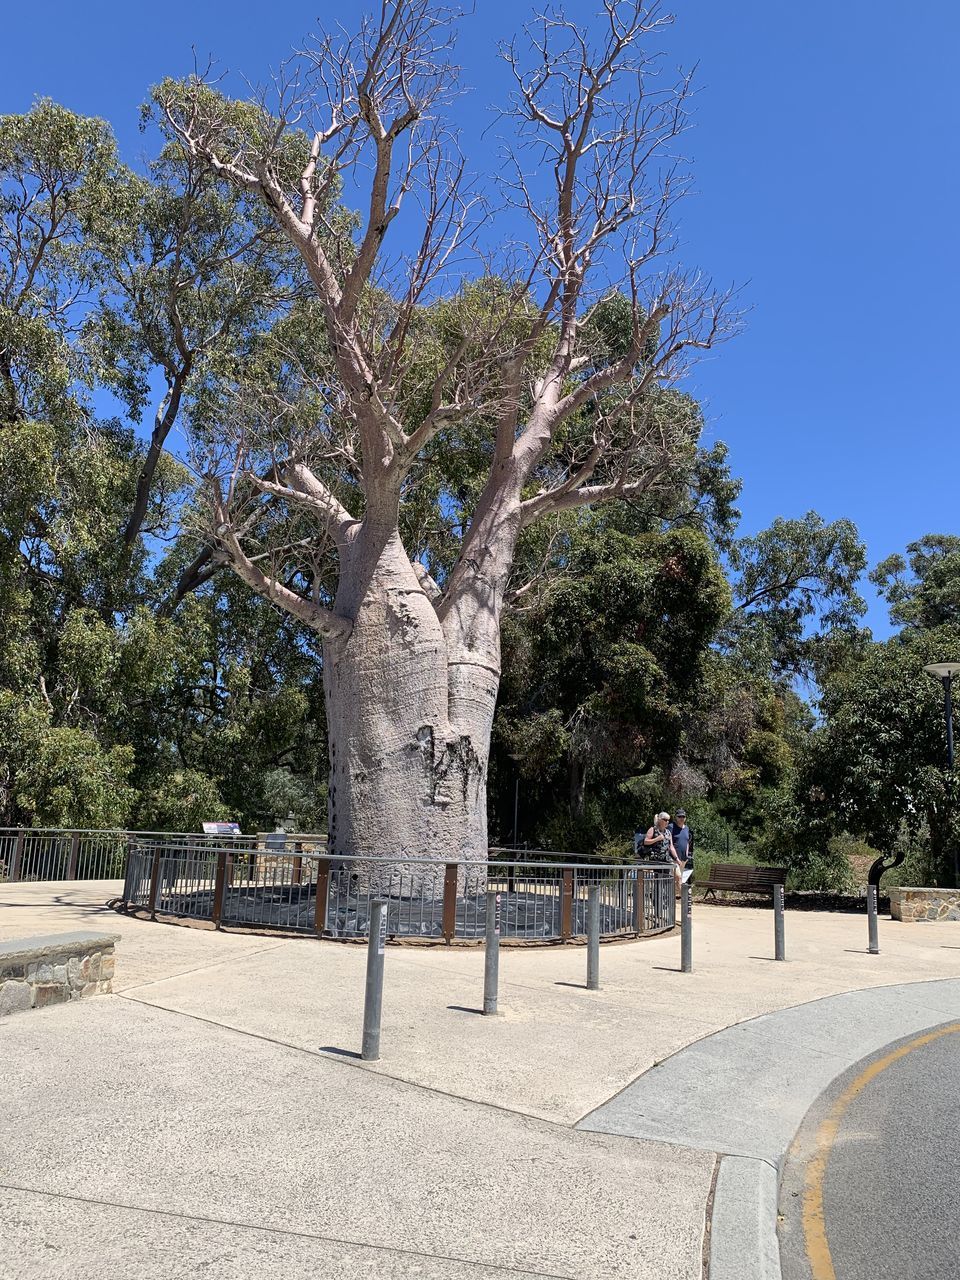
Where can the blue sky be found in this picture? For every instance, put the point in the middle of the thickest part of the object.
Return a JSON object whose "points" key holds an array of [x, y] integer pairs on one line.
{"points": [[825, 155]]}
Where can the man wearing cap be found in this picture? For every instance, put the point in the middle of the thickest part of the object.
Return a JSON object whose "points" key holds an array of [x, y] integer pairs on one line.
{"points": [[682, 839]]}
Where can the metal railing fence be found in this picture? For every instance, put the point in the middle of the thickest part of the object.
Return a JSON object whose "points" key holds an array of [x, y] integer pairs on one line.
{"points": [[28, 853], [54, 853], [316, 894], [286, 881]]}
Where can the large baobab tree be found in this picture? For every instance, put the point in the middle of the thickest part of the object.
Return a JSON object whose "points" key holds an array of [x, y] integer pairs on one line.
{"points": [[544, 369]]}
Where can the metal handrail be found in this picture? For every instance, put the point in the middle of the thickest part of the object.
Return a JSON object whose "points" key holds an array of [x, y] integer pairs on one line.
{"points": [[60, 853], [125, 833], [250, 880], [64, 853], [366, 859]]}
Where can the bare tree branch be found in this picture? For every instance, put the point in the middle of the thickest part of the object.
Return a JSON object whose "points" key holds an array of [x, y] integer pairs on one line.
{"points": [[324, 621], [303, 487], [549, 366]]}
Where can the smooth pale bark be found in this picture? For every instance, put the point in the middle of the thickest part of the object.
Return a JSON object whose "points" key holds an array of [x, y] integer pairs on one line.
{"points": [[410, 707], [411, 675]]}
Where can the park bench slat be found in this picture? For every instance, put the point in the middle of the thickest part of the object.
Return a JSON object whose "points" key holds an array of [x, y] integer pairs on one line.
{"points": [[740, 878]]}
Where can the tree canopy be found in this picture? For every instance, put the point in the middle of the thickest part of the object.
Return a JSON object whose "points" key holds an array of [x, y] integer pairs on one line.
{"points": [[190, 410]]}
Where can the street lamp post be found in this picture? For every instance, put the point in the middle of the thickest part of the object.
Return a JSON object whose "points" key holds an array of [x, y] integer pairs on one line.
{"points": [[944, 672]]}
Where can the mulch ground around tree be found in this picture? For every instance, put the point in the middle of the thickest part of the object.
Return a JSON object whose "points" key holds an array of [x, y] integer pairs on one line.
{"points": [[800, 900]]}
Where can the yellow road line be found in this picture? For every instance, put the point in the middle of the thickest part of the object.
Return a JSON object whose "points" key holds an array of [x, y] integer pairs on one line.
{"points": [[814, 1226]]}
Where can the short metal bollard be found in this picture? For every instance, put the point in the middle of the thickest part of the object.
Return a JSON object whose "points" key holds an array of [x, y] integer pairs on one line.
{"points": [[686, 928], [593, 938], [491, 955], [778, 942], [373, 995], [872, 933]]}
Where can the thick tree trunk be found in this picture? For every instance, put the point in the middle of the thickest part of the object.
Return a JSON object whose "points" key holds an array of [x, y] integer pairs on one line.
{"points": [[409, 714]]}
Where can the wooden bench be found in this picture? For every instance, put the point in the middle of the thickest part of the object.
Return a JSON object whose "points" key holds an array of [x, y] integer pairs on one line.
{"points": [[737, 878]]}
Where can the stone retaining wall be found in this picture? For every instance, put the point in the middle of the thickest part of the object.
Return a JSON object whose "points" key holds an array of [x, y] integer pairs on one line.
{"points": [[924, 904], [39, 971]]}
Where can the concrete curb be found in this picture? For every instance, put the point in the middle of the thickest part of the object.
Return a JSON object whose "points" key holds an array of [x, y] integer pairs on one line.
{"points": [[778, 1065], [743, 1232], [746, 1089]]}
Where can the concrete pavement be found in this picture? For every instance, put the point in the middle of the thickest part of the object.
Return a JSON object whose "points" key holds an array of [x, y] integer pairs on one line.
{"points": [[174, 1116], [744, 1092], [61, 1239], [215, 1102], [778, 1064]]}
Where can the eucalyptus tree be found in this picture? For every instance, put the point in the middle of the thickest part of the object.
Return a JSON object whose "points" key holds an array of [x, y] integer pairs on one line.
{"points": [[63, 475], [62, 472], [511, 364], [876, 764], [604, 666], [111, 711], [57, 220], [795, 588], [923, 587]]}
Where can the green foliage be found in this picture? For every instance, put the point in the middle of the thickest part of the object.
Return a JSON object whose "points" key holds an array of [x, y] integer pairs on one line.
{"points": [[180, 800], [114, 707], [875, 764], [793, 574], [139, 685], [58, 224], [923, 588], [297, 801], [922, 861], [61, 776], [826, 872], [598, 675], [877, 759]]}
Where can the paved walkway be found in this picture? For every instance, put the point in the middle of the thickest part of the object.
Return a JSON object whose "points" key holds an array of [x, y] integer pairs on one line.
{"points": [[211, 1114]]}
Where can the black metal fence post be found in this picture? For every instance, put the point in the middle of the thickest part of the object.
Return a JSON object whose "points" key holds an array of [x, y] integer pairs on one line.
{"points": [[323, 895], [17, 856], [219, 887], [74, 855], [155, 881], [450, 902], [566, 904]]}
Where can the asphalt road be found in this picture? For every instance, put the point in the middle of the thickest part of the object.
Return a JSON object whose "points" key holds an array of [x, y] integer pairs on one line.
{"points": [[871, 1189]]}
